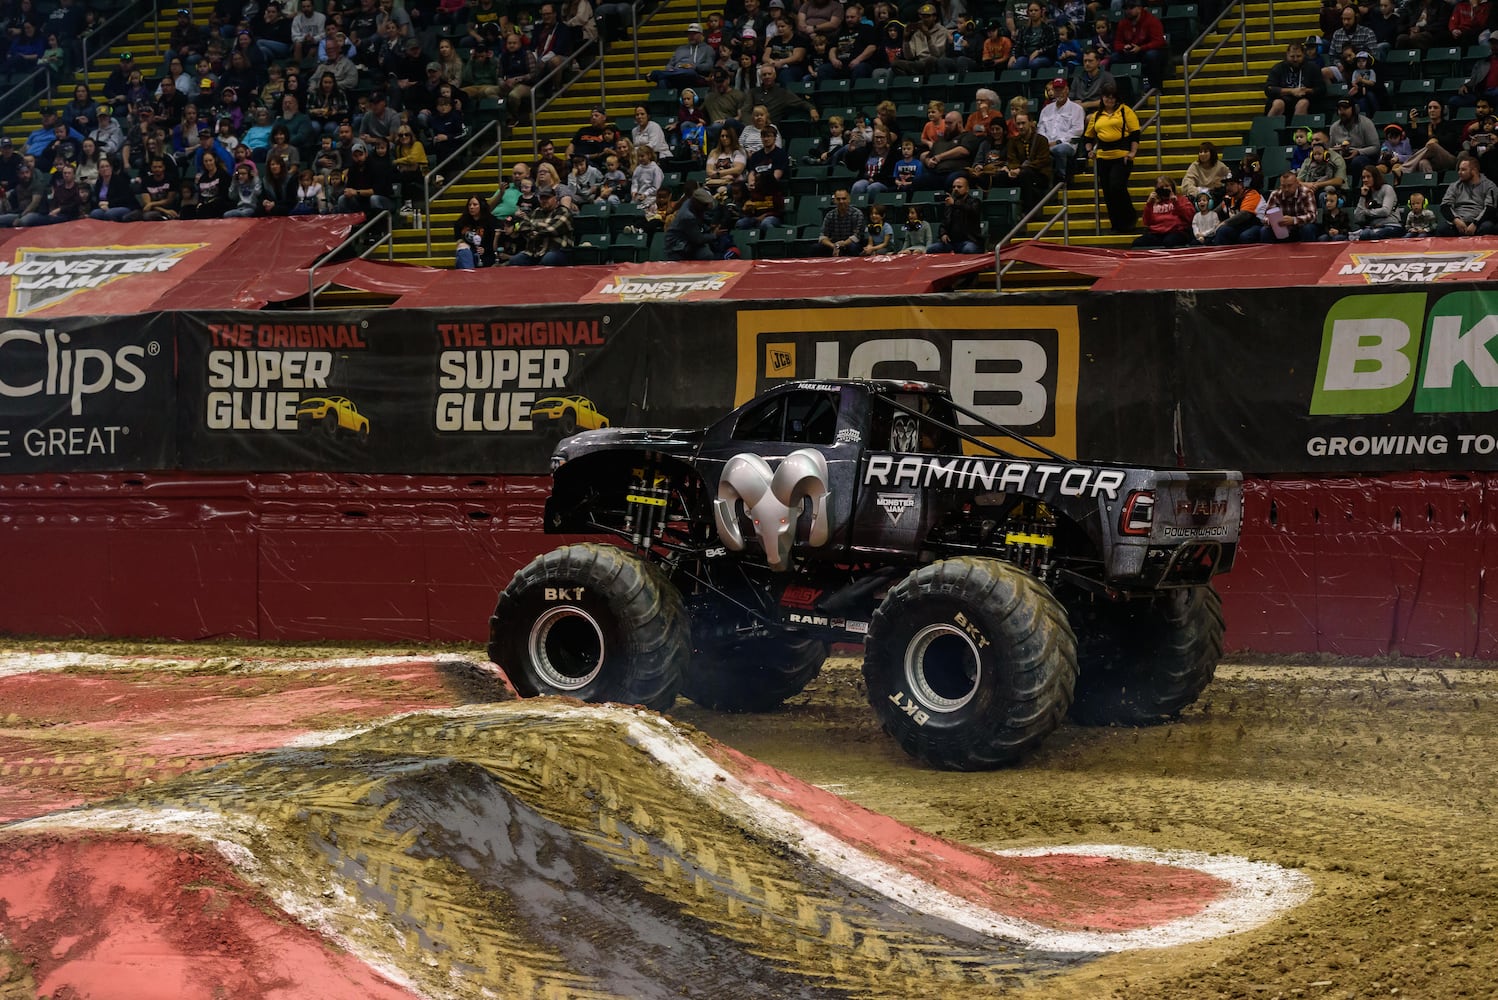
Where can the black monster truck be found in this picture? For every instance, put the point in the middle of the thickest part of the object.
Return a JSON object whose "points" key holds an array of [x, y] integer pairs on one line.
{"points": [[994, 592]]}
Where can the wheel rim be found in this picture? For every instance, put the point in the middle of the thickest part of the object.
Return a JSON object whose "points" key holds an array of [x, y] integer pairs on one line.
{"points": [[942, 668], [566, 648]]}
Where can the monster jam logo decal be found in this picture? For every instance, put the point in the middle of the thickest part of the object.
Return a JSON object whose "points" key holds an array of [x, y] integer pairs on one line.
{"points": [[773, 500], [1386, 268], [40, 278], [895, 504]]}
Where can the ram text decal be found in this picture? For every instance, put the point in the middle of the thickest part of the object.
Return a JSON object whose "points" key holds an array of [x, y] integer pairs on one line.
{"points": [[927, 472]]}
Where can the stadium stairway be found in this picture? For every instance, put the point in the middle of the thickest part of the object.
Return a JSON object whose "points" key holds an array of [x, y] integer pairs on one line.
{"points": [[146, 41], [1224, 100], [622, 88]]}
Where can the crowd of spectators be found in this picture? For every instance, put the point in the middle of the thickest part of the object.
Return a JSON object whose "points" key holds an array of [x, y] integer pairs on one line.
{"points": [[276, 108]]}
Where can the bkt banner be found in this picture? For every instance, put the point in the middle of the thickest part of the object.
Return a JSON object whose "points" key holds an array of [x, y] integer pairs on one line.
{"points": [[87, 394], [1374, 382]]}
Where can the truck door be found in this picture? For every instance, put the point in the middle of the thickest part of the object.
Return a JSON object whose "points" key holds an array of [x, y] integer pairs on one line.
{"points": [[894, 514], [783, 472]]}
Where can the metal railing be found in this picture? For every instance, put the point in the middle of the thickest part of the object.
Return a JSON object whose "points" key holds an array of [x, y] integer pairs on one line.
{"points": [[1063, 216], [572, 63], [1240, 29], [128, 18], [387, 241], [427, 194]]}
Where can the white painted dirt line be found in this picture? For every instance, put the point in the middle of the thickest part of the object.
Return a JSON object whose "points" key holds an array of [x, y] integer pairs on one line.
{"points": [[16, 664]]}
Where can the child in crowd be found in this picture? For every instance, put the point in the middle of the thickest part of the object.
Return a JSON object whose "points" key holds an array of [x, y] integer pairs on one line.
{"points": [[615, 183], [821, 155], [908, 171], [997, 46], [646, 179], [1395, 150], [309, 195], [1068, 49], [1419, 221], [916, 234], [1362, 86], [1335, 222], [881, 233], [1206, 221], [1301, 148], [1101, 41]]}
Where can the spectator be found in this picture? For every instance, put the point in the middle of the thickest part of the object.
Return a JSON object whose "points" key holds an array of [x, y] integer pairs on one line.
{"points": [[1027, 162], [908, 172], [854, 50], [1113, 142], [474, 232], [1354, 137], [380, 121], [280, 145], [649, 133], [340, 67], [1336, 224], [307, 29], [273, 34], [1324, 167], [726, 163], [113, 197], [117, 85], [689, 63], [1100, 40], [551, 40], [410, 162], [615, 182], [207, 146], [584, 180], [578, 16], [80, 113], [1088, 80], [1470, 205], [1167, 217], [1062, 123], [278, 189], [26, 52], [27, 196], [107, 134], [767, 169], [786, 52], [915, 234], [1240, 210], [368, 184], [447, 129], [777, 99], [1207, 173], [186, 39], [881, 235], [547, 233], [724, 107], [257, 136], [1375, 217], [614, 19], [689, 236], [844, 232], [311, 199], [299, 128], [327, 106], [159, 197], [243, 193], [212, 188], [936, 124], [64, 148], [646, 178], [925, 46], [1425, 25], [1358, 37], [1419, 221], [1205, 222], [518, 71], [10, 164], [952, 154], [1034, 40], [961, 222], [820, 17], [874, 165], [1291, 213], [1140, 38], [1363, 88], [1482, 82], [1469, 20], [987, 121], [1383, 21]]}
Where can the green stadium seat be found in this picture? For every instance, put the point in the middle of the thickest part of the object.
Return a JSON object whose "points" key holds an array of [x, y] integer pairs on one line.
{"points": [[627, 248], [746, 240], [1275, 162], [591, 249], [1001, 207], [1442, 61], [1401, 64], [1264, 131], [657, 248], [890, 198], [1382, 118], [1414, 93], [870, 91], [1311, 122]]}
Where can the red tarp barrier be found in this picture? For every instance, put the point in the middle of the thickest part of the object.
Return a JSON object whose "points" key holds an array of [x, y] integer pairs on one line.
{"points": [[657, 282], [90, 268], [1288, 265]]}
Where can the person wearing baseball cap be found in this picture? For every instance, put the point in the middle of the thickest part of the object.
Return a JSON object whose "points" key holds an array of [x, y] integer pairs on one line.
{"points": [[547, 233], [926, 44], [690, 234], [1062, 122], [589, 140], [107, 134], [688, 65]]}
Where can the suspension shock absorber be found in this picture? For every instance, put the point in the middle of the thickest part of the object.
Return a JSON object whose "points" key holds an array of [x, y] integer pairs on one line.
{"points": [[645, 504]]}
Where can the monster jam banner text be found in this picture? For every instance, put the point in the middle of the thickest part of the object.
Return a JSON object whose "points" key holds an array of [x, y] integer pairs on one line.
{"points": [[425, 391], [1324, 381], [87, 394]]}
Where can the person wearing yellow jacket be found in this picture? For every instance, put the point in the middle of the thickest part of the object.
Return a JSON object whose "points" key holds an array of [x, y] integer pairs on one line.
{"points": [[1112, 138]]}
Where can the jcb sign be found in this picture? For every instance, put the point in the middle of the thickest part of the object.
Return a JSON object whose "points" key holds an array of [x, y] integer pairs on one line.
{"points": [[1378, 350], [1014, 365]]}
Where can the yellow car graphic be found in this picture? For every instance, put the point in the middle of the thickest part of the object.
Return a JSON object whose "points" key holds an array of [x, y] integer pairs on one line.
{"points": [[334, 414], [568, 414]]}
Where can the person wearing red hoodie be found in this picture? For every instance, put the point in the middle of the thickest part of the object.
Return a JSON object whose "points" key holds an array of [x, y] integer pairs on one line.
{"points": [[1167, 217], [1140, 38]]}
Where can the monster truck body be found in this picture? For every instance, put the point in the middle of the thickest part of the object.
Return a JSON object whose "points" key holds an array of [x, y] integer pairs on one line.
{"points": [[983, 577]]}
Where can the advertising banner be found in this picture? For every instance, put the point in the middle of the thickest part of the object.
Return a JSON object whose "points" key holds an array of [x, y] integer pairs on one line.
{"points": [[87, 395], [456, 391], [1376, 381]]}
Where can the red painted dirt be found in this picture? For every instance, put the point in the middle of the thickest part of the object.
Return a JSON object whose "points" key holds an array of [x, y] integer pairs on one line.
{"points": [[1062, 891], [137, 917]]}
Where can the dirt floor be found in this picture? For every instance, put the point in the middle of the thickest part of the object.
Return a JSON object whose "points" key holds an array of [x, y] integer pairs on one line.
{"points": [[1376, 782]]}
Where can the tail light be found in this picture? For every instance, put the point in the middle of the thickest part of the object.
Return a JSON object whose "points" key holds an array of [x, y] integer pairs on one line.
{"points": [[1138, 513]]}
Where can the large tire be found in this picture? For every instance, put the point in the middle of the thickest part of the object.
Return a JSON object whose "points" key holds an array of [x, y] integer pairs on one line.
{"points": [[592, 622], [1144, 661], [752, 675], [970, 663]]}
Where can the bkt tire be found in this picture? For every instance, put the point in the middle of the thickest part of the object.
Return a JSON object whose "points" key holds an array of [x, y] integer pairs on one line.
{"points": [[592, 622], [752, 675], [1144, 661], [970, 663]]}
